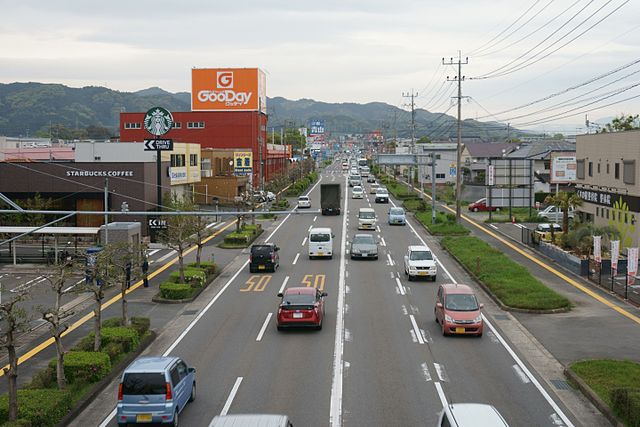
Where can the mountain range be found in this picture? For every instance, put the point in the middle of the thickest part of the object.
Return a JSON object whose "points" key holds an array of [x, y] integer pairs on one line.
{"points": [[30, 108]]}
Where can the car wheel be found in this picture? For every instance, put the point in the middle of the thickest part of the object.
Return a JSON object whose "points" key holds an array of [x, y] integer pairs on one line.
{"points": [[410, 278], [330, 256], [406, 273], [435, 316], [479, 335], [175, 419], [319, 327], [279, 328], [475, 209], [376, 257], [433, 279], [251, 270], [444, 331], [193, 393]]}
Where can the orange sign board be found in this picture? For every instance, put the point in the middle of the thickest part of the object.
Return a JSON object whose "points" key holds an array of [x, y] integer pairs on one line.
{"points": [[228, 89]]}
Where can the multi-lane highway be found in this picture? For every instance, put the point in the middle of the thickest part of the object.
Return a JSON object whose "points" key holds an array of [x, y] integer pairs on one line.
{"points": [[380, 358]]}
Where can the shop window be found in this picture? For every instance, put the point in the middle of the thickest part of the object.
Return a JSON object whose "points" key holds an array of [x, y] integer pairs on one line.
{"points": [[590, 168], [193, 159], [580, 168], [616, 171], [132, 126], [176, 125], [195, 125], [629, 172]]}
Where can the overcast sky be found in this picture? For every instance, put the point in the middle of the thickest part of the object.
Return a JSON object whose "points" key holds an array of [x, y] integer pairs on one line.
{"points": [[337, 50]]}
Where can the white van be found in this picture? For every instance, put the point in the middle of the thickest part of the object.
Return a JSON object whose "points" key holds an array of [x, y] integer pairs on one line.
{"points": [[366, 219], [321, 242]]}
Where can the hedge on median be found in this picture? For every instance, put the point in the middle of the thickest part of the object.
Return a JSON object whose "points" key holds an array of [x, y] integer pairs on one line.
{"points": [[85, 366], [192, 276], [38, 407], [509, 281], [175, 291]]}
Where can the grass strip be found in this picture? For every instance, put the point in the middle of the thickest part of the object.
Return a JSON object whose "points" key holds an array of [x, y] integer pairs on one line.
{"points": [[509, 281], [604, 375], [442, 227]]}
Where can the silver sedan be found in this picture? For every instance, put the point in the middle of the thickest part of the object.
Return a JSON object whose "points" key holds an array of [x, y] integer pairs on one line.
{"points": [[364, 246]]}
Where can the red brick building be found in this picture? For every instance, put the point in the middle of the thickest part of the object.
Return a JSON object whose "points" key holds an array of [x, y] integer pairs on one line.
{"points": [[240, 130]]}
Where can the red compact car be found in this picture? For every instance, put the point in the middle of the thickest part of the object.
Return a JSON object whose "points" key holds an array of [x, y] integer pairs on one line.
{"points": [[457, 310], [301, 307], [481, 205]]}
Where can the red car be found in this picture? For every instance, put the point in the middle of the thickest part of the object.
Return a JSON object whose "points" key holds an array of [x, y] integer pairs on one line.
{"points": [[481, 205], [301, 307], [457, 310]]}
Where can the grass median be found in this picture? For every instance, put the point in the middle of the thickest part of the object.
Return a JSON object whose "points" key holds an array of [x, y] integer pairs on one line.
{"points": [[608, 378], [510, 282], [444, 225]]}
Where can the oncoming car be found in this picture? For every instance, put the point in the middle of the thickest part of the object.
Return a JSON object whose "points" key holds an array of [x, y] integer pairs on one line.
{"points": [[420, 262], [364, 246], [457, 310], [301, 306]]}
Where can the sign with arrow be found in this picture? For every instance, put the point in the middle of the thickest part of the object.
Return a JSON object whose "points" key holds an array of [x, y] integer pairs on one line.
{"points": [[157, 223], [158, 145]]}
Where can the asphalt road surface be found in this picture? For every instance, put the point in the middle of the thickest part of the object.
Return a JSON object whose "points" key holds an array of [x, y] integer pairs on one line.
{"points": [[380, 359]]}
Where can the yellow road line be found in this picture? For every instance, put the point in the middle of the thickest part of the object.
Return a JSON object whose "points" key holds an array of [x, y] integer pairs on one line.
{"points": [[562, 276], [37, 349]]}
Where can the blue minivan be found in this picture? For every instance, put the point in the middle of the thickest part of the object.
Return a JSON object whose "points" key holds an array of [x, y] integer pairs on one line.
{"points": [[397, 216], [155, 390]]}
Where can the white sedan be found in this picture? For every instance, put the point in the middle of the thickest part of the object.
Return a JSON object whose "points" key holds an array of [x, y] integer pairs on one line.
{"points": [[304, 202], [357, 192]]}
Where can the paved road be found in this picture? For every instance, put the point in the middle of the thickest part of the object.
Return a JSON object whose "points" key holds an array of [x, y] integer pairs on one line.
{"points": [[380, 358]]}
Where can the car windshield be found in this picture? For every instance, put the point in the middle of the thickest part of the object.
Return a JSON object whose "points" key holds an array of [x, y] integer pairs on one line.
{"points": [[303, 199], [367, 215], [381, 191], [298, 299], [261, 250], [480, 202], [421, 256], [320, 237], [143, 383], [396, 211], [461, 302], [357, 189], [364, 239]]}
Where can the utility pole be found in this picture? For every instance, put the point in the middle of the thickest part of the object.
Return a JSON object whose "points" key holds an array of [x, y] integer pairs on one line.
{"points": [[459, 78], [433, 187], [106, 209], [412, 95]]}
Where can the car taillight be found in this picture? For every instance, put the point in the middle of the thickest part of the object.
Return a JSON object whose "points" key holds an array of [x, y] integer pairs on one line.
{"points": [[273, 257], [250, 257], [120, 392], [168, 394]]}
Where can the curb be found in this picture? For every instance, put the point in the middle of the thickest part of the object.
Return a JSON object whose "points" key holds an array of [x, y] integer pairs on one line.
{"points": [[593, 397], [101, 385], [157, 298]]}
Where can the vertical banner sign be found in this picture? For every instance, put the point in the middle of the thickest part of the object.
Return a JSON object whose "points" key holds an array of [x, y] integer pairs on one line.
{"points": [[491, 175], [615, 255], [632, 264], [597, 252]]}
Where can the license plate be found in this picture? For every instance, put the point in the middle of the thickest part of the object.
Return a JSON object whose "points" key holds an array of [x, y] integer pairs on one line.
{"points": [[365, 255], [261, 267], [422, 273], [459, 330], [320, 253], [299, 316], [143, 418]]}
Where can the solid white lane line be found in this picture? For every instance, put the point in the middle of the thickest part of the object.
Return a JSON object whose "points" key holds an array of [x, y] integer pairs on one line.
{"points": [[229, 401], [416, 329], [443, 398], [533, 379], [390, 260], [520, 374], [400, 287], [296, 258], [284, 285], [304, 241], [493, 226], [264, 327], [335, 410]]}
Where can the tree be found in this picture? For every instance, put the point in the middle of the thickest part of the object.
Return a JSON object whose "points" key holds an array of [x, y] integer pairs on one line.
{"points": [[565, 201], [95, 274], [558, 137], [180, 228], [122, 263], [621, 124], [424, 140], [14, 321], [55, 315], [202, 231]]}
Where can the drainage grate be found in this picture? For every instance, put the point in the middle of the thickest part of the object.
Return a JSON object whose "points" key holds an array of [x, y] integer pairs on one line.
{"points": [[189, 312], [561, 384], [501, 317]]}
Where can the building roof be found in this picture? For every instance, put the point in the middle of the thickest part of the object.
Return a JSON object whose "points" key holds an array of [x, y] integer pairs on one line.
{"points": [[39, 154], [540, 150], [485, 150], [50, 230]]}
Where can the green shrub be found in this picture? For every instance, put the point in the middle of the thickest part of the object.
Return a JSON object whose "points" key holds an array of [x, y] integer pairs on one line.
{"points": [[415, 205], [114, 350], [193, 276], [175, 290], [85, 366], [112, 322], [209, 267], [127, 337], [21, 422], [511, 282], [45, 378], [38, 407], [626, 403], [85, 344], [141, 325]]}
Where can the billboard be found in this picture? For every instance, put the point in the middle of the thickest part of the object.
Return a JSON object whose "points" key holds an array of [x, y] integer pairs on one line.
{"points": [[242, 162], [317, 127], [563, 168], [228, 89]]}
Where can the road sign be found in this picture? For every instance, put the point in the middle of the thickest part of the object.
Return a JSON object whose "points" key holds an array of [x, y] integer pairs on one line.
{"points": [[158, 145], [157, 223]]}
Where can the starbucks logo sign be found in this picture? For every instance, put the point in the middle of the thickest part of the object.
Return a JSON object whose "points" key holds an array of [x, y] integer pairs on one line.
{"points": [[158, 121]]}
